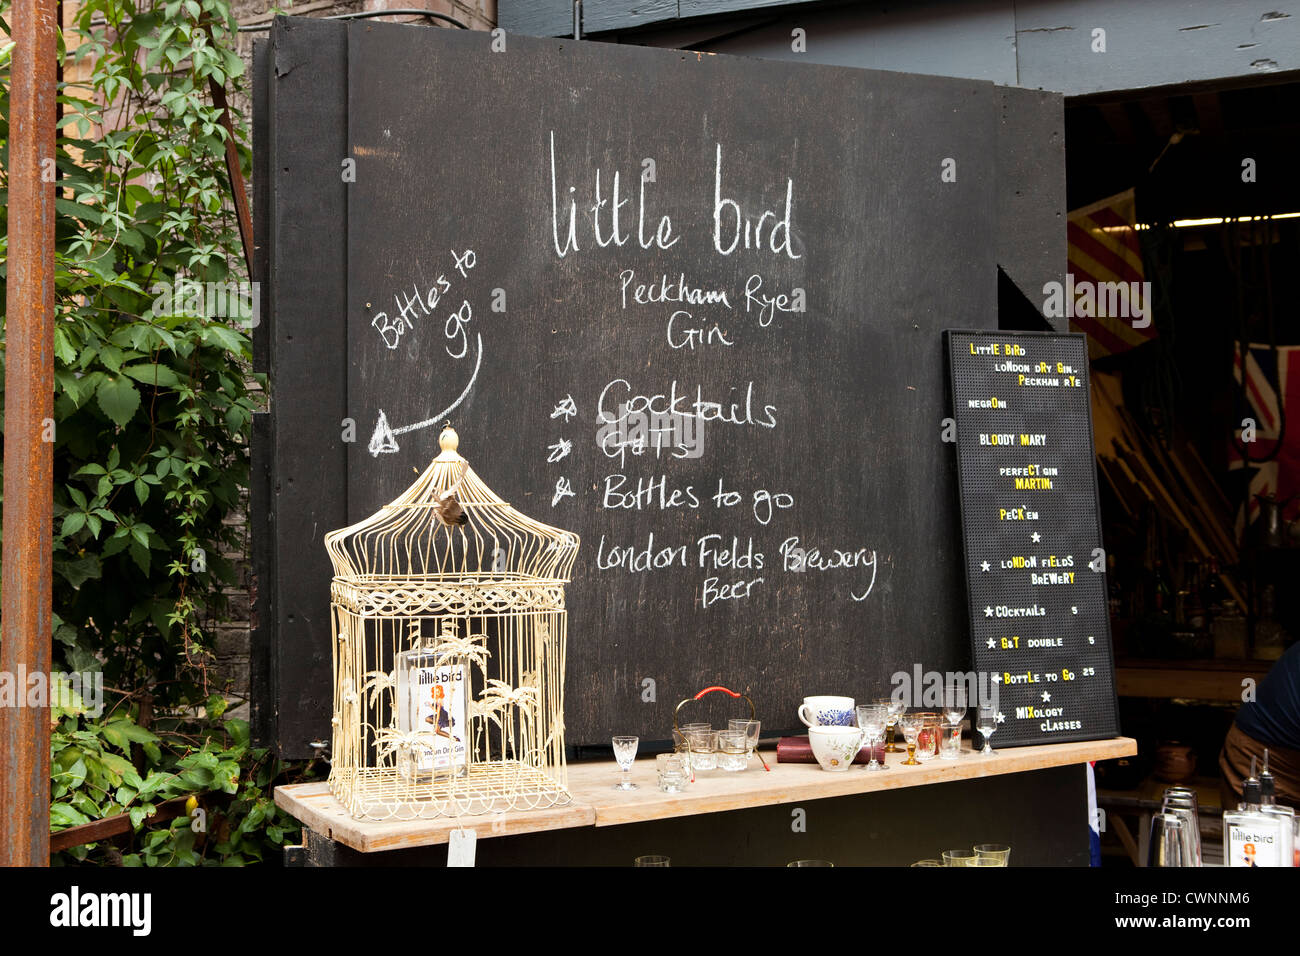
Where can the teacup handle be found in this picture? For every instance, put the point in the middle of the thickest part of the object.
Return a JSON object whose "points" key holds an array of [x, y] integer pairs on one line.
{"points": [[803, 716]]}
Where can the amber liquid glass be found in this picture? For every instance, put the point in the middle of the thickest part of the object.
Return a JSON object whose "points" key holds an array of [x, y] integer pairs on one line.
{"points": [[911, 726]]}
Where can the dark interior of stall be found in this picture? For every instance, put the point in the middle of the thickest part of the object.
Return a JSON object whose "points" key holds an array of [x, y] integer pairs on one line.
{"points": [[1198, 460]]}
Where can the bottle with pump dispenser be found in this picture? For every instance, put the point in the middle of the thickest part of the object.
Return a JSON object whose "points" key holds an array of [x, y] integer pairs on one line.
{"points": [[1268, 804], [1252, 837]]}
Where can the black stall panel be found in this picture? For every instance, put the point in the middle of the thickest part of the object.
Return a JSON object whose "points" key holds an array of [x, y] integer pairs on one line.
{"points": [[687, 307]]}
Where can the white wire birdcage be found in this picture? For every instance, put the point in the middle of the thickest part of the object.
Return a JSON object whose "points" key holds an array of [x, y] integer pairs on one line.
{"points": [[449, 640]]}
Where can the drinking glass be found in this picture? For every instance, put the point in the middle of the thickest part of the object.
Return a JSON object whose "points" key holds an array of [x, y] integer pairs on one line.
{"points": [[871, 718], [949, 739], [671, 763], [927, 741], [894, 709], [731, 750], [986, 724], [959, 858], [750, 729], [1184, 803], [810, 863], [652, 860], [999, 853], [674, 772], [927, 863], [704, 749], [1168, 844], [625, 754], [954, 703], [910, 724]]}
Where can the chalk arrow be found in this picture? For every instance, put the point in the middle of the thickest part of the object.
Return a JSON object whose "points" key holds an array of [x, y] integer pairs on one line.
{"points": [[384, 439]]}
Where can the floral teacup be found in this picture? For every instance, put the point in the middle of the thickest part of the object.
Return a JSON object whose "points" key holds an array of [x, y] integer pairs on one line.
{"points": [[835, 747], [827, 712]]}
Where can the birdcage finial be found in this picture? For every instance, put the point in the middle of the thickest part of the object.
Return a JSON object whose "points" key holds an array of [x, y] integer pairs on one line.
{"points": [[448, 441]]}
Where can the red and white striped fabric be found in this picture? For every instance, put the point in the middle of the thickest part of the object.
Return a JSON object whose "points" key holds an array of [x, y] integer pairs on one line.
{"points": [[1272, 387]]}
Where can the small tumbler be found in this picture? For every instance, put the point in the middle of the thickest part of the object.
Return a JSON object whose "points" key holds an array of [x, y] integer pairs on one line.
{"points": [[732, 750], [674, 772], [949, 739], [704, 749]]}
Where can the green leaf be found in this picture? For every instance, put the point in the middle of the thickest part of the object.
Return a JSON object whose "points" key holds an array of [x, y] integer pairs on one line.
{"points": [[238, 730], [151, 374], [118, 399], [111, 357], [200, 778], [63, 347], [80, 571], [226, 338], [73, 523], [119, 765], [141, 490], [63, 815], [72, 777], [131, 731]]}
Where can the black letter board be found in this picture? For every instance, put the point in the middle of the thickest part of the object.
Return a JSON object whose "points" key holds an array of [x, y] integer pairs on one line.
{"points": [[1035, 572], [520, 240]]}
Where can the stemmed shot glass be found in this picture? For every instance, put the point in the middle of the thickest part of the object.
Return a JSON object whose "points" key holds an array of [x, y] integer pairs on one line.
{"points": [[871, 718], [954, 707], [910, 725], [625, 754], [986, 724], [894, 709]]}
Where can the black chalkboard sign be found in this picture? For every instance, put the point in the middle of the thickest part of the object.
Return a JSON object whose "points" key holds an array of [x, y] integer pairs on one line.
{"points": [[1035, 569], [687, 307]]}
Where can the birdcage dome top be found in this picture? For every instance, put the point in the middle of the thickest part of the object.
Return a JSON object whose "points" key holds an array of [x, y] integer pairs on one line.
{"points": [[449, 526]]}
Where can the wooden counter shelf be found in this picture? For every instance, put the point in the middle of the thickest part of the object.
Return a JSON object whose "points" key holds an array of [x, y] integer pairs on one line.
{"points": [[596, 803], [1211, 679]]}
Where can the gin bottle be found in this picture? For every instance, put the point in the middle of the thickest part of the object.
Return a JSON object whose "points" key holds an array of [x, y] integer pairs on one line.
{"points": [[1269, 804], [431, 714], [1250, 837]]}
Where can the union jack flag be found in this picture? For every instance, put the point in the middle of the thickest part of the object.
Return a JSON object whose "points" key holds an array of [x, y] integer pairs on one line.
{"points": [[1273, 393]]}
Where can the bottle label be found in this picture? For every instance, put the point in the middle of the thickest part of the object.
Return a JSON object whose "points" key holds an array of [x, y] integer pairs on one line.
{"points": [[437, 707], [1253, 844]]}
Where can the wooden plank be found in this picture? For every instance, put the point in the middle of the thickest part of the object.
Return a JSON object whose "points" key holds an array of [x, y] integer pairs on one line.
{"points": [[1156, 43], [307, 100], [1031, 247], [262, 440], [107, 827], [715, 792], [705, 8], [1120, 829], [1199, 684], [316, 807], [597, 803], [536, 18], [599, 17], [1120, 440]]}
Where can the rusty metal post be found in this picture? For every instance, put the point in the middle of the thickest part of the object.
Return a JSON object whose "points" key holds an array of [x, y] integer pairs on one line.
{"points": [[28, 432]]}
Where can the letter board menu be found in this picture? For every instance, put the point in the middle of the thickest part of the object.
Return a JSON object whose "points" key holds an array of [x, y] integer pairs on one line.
{"points": [[1035, 571]]}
